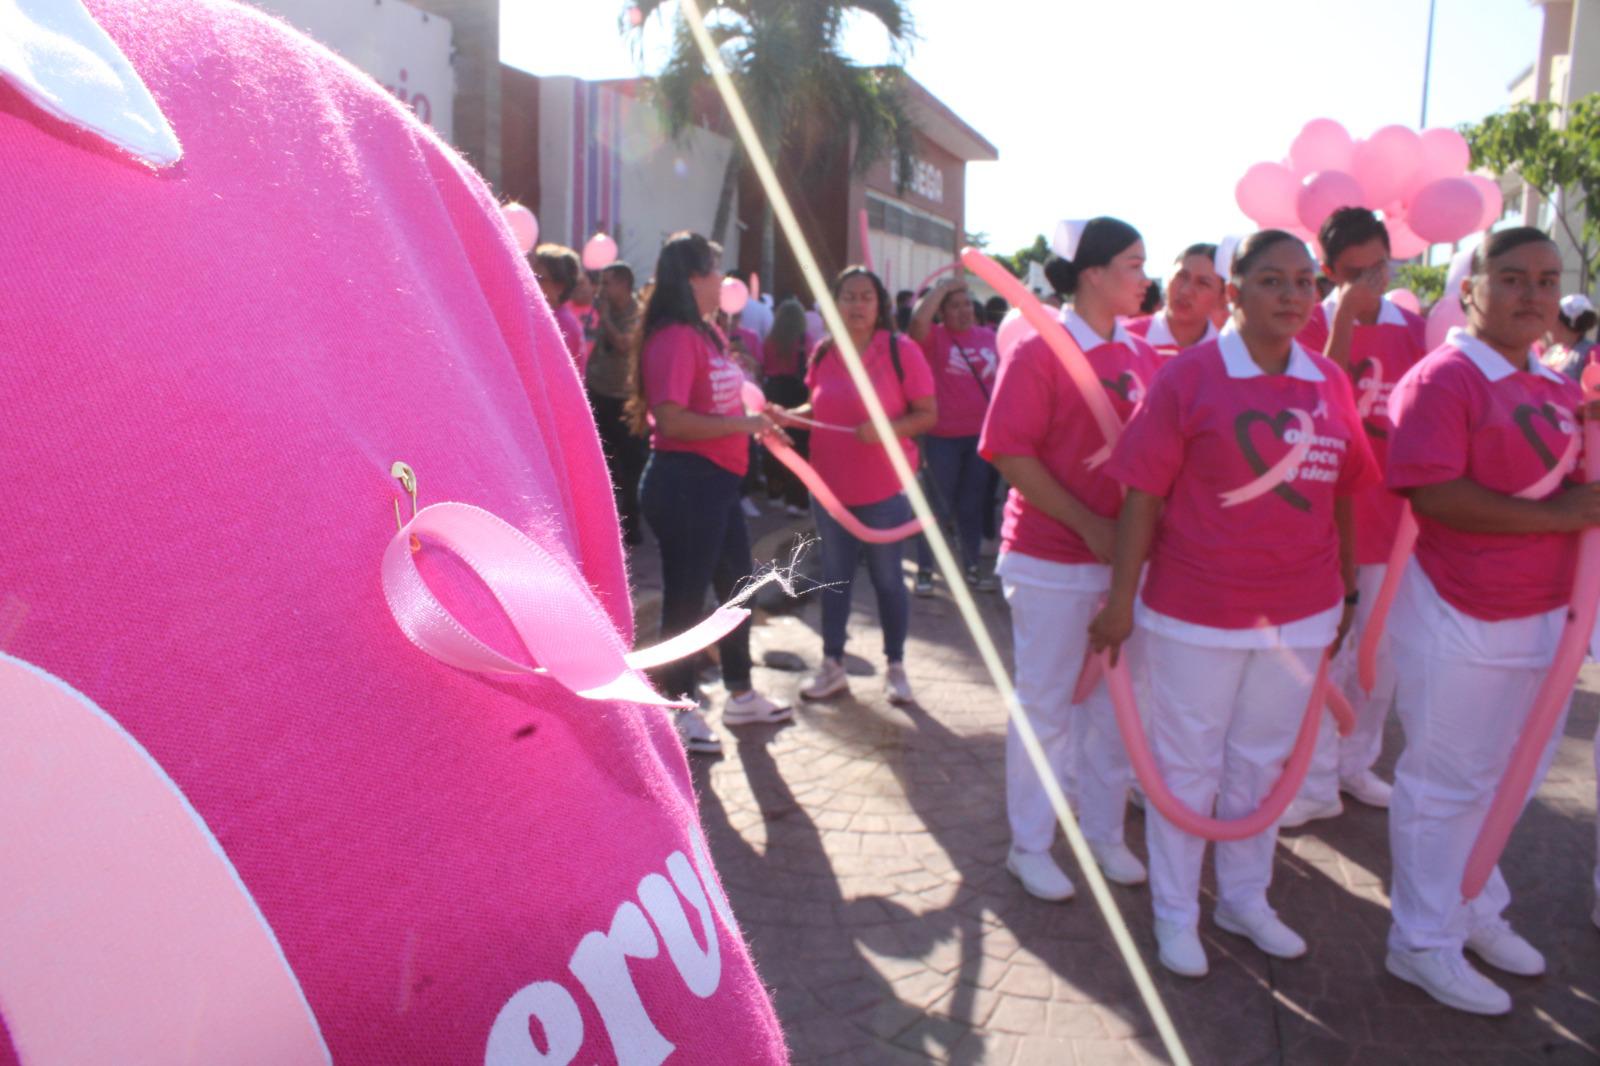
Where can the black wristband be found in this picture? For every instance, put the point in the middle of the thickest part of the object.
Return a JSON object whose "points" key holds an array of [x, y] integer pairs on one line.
{"points": [[1353, 598]]}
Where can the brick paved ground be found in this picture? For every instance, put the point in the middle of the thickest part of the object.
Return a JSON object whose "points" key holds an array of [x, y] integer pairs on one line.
{"points": [[862, 846]]}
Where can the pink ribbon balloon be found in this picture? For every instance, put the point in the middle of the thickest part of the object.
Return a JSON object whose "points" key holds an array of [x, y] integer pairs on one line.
{"points": [[755, 402], [1184, 816], [553, 610], [1554, 690], [1405, 539], [923, 284]]}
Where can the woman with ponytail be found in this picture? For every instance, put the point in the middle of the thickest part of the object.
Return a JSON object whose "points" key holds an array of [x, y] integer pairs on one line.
{"points": [[1239, 467], [1055, 551], [687, 394]]}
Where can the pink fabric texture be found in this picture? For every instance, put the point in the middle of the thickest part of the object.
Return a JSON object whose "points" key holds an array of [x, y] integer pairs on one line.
{"points": [[1507, 435], [1197, 440], [571, 331], [963, 368], [860, 473], [1038, 411], [680, 365], [198, 433]]}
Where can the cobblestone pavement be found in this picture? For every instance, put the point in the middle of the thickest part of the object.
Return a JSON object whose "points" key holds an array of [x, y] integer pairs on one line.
{"points": [[863, 845]]}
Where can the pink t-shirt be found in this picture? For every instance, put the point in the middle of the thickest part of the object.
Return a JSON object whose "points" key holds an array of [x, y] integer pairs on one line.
{"points": [[1464, 412], [572, 336], [1380, 354], [681, 365], [1038, 411], [1158, 334], [964, 367], [1213, 424], [860, 473], [199, 498]]}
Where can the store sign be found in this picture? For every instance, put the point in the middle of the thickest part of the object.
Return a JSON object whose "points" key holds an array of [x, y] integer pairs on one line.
{"points": [[927, 180]]}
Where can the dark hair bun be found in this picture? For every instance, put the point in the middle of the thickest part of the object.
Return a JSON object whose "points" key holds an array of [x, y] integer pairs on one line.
{"points": [[1062, 275]]}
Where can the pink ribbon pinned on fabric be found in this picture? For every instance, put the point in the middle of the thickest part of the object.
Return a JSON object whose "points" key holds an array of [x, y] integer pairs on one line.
{"points": [[563, 628], [1280, 471], [755, 402]]}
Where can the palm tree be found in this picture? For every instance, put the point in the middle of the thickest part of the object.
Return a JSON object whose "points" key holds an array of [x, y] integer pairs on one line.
{"points": [[808, 101]]}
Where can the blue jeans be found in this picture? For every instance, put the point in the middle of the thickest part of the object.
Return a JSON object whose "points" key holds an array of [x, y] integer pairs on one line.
{"points": [[840, 554], [958, 480], [692, 505]]}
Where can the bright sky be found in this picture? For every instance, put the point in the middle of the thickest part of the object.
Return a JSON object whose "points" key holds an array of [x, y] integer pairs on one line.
{"points": [[1149, 110]]}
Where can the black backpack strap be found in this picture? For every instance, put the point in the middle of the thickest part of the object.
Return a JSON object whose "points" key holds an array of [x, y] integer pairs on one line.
{"points": [[894, 356]]}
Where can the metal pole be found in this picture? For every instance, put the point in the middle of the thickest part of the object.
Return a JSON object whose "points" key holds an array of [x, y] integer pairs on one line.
{"points": [[1427, 65]]}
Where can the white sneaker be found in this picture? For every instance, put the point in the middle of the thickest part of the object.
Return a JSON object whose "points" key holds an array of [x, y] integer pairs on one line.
{"points": [[753, 708], [1302, 810], [1178, 948], [828, 681], [696, 734], [1039, 874], [1118, 863], [895, 684], [1265, 930], [1499, 945], [1368, 788], [1445, 974]]}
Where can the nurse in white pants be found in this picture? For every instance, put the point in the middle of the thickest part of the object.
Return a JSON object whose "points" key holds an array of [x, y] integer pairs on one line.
{"points": [[1485, 439], [1240, 465], [1055, 546]]}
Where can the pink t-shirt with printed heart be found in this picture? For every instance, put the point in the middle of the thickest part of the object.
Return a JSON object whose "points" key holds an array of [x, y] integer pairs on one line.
{"points": [[1380, 354], [964, 366], [1038, 411], [1452, 421], [681, 365], [860, 473], [1200, 437]]}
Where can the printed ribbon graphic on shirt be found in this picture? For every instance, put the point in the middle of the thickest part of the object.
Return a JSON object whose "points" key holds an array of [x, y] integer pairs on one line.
{"points": [[1556, 469], [1368, 375], [1274, 479]]}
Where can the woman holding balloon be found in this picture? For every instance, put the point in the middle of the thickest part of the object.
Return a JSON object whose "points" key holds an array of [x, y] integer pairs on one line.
{"points": [[688, 394], [1485, 438], [1239, 466], [855, 467], [1055, 547]]}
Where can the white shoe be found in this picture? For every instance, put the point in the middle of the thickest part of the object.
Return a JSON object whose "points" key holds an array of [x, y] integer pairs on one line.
{"points": [[1178, 948], [1499, 945], [1368, 788], [696, 734], [828, 681], [1118, 863], [1302, 810], [1445, 974], [895, 684], [753, 708], [1040, 875], [1265, 930]]}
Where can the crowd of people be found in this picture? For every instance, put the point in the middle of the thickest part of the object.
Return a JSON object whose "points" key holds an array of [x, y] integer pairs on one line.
{"points": [[1281, 414]]}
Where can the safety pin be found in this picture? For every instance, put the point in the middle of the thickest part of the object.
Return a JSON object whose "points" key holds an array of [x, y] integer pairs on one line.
{"points": [[407, 477]]}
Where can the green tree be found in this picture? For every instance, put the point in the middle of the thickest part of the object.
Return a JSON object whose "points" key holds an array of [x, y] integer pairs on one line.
{"points": [[1427, 282], [1557, 153], [1017, 262], [802, 92]]}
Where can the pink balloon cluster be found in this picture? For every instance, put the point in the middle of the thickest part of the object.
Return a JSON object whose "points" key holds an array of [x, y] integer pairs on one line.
{"points": [[1418, 180]]}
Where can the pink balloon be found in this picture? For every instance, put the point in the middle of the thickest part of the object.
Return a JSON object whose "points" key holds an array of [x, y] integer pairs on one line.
{"points": [[1405, 298], [1267, 194], [1444, 155], [1324, 193], [599, 253], [755, 286], [1403, 240], [1446, 210], [1445, 316], [1405, 539], [524, 226], [1494, 201], [1386, 164], [735, 294], [1323, 144]]}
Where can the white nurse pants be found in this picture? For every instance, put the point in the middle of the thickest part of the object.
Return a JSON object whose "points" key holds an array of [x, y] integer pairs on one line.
{"points": [[1342, 758], [1221, 724], [1050, 633], [1466, 687]]}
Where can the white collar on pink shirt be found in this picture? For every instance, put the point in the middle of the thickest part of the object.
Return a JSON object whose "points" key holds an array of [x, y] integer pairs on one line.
{"points": [[1085, 335], [1491, 363], [1388, 313], [1160, 333], [56, 55], [1236, 358]]}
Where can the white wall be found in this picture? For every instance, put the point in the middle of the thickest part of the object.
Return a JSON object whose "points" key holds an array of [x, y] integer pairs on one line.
{"points": [[406, 49]]}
